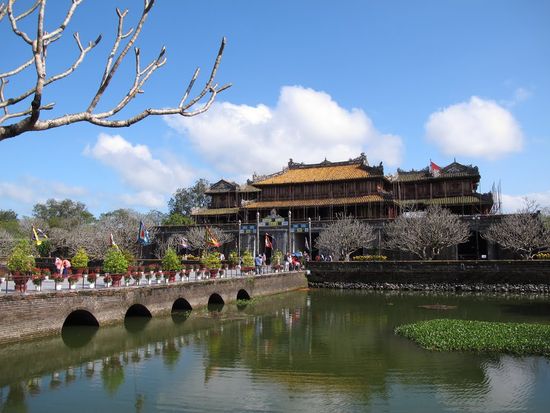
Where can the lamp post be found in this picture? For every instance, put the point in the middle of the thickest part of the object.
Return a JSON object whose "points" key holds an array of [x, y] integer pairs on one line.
{"points": [[289, 231], [257, 232], [309, 235], [239, 241], [477, 218]]}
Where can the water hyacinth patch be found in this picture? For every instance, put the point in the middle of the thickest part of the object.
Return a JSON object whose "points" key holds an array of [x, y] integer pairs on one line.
{"points": [[479, 336]]}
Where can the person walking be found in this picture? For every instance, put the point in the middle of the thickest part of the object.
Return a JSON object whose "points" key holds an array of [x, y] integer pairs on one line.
{"points": [[258, 263]]}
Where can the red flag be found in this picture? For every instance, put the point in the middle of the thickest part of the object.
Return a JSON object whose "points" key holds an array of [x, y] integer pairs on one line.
{"points": [[434, 168], [268, 243]]}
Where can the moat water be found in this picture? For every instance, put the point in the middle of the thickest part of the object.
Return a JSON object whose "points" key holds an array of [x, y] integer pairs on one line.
{"points": [[306, 351]]}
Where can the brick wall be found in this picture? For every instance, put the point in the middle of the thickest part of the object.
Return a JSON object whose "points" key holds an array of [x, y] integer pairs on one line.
{"points": [[454, 272]]}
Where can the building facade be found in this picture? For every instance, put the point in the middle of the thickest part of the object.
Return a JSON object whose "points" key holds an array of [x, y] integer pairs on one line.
{"points": [[293, 205], [325, 190]]}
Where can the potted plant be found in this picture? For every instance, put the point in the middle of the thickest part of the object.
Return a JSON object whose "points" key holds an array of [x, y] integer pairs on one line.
{"points": [[127, 278], [248, 263], [212, 262], [136, 275], [150, 273], [20, 263], [171, 263], [58, 280], [115, 264], [73, 280], [276, 260], [158, 276], [37, 278], [233, 259], [46, 273], [80, 261], [91, 278], [2, 274], [107, 280]]}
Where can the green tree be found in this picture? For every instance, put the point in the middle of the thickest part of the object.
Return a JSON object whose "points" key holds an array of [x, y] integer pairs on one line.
{"points": [[185, 199], [177, 218], [8, 215], [62, 214], [9, 222]]}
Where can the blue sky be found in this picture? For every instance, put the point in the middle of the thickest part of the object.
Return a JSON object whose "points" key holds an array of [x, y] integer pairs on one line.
{"points": [[402, 81]]}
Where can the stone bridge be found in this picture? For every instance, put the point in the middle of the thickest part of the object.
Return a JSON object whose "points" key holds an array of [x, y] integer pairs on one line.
{"points": [[33, 315]]}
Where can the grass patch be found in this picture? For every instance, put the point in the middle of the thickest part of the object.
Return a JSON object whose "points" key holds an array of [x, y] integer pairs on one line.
{"points": [[479, 336]]}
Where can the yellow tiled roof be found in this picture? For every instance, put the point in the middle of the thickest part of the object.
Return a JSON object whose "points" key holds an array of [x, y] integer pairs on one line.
{"points": [[450, 200], [315, 202], [316, 174], [422, 176], [215, 211]]}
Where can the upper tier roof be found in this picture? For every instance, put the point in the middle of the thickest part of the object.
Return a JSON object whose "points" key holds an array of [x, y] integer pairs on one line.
{"points": [[357, 168]]}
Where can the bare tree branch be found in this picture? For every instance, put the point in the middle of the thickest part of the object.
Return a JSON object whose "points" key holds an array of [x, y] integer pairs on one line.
{"points": [[426, 233], [31, 122], [3, 10], [63, 25], [17, 69], [197, 238], [13, 21], [523, 232], [71, 69], [6, 240], [344, 236], [28, 11]]}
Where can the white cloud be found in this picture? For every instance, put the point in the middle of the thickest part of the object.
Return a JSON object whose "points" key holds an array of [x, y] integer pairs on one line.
{"points": [[513, 203], [479, 128], [137, 167], [521, 94], [305, 125], [30, 189], [147, 199], [16, 192]]}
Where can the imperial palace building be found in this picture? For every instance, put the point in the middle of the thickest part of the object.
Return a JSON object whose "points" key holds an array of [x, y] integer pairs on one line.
{"points": [[293, 205]]}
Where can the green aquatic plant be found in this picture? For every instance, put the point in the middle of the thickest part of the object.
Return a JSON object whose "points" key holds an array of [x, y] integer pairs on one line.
{"points": [[479, 336]]}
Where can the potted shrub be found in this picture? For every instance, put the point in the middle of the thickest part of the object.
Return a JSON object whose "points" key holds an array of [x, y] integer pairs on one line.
{"points": [[3, 274], [115, 264], [248, 263], [73, 280], [107, 280], [80, 261], [91, 278], [37, 278], [150, 273], [158, 276], [212, 262], [171, 263], [136, 275], [46, 273], [20, 263], [233, 259], [127, 278], [58, 280], [277, 259]]}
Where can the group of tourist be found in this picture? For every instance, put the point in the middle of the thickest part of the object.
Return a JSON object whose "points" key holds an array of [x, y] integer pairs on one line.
{"points": [[62, 265]]}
